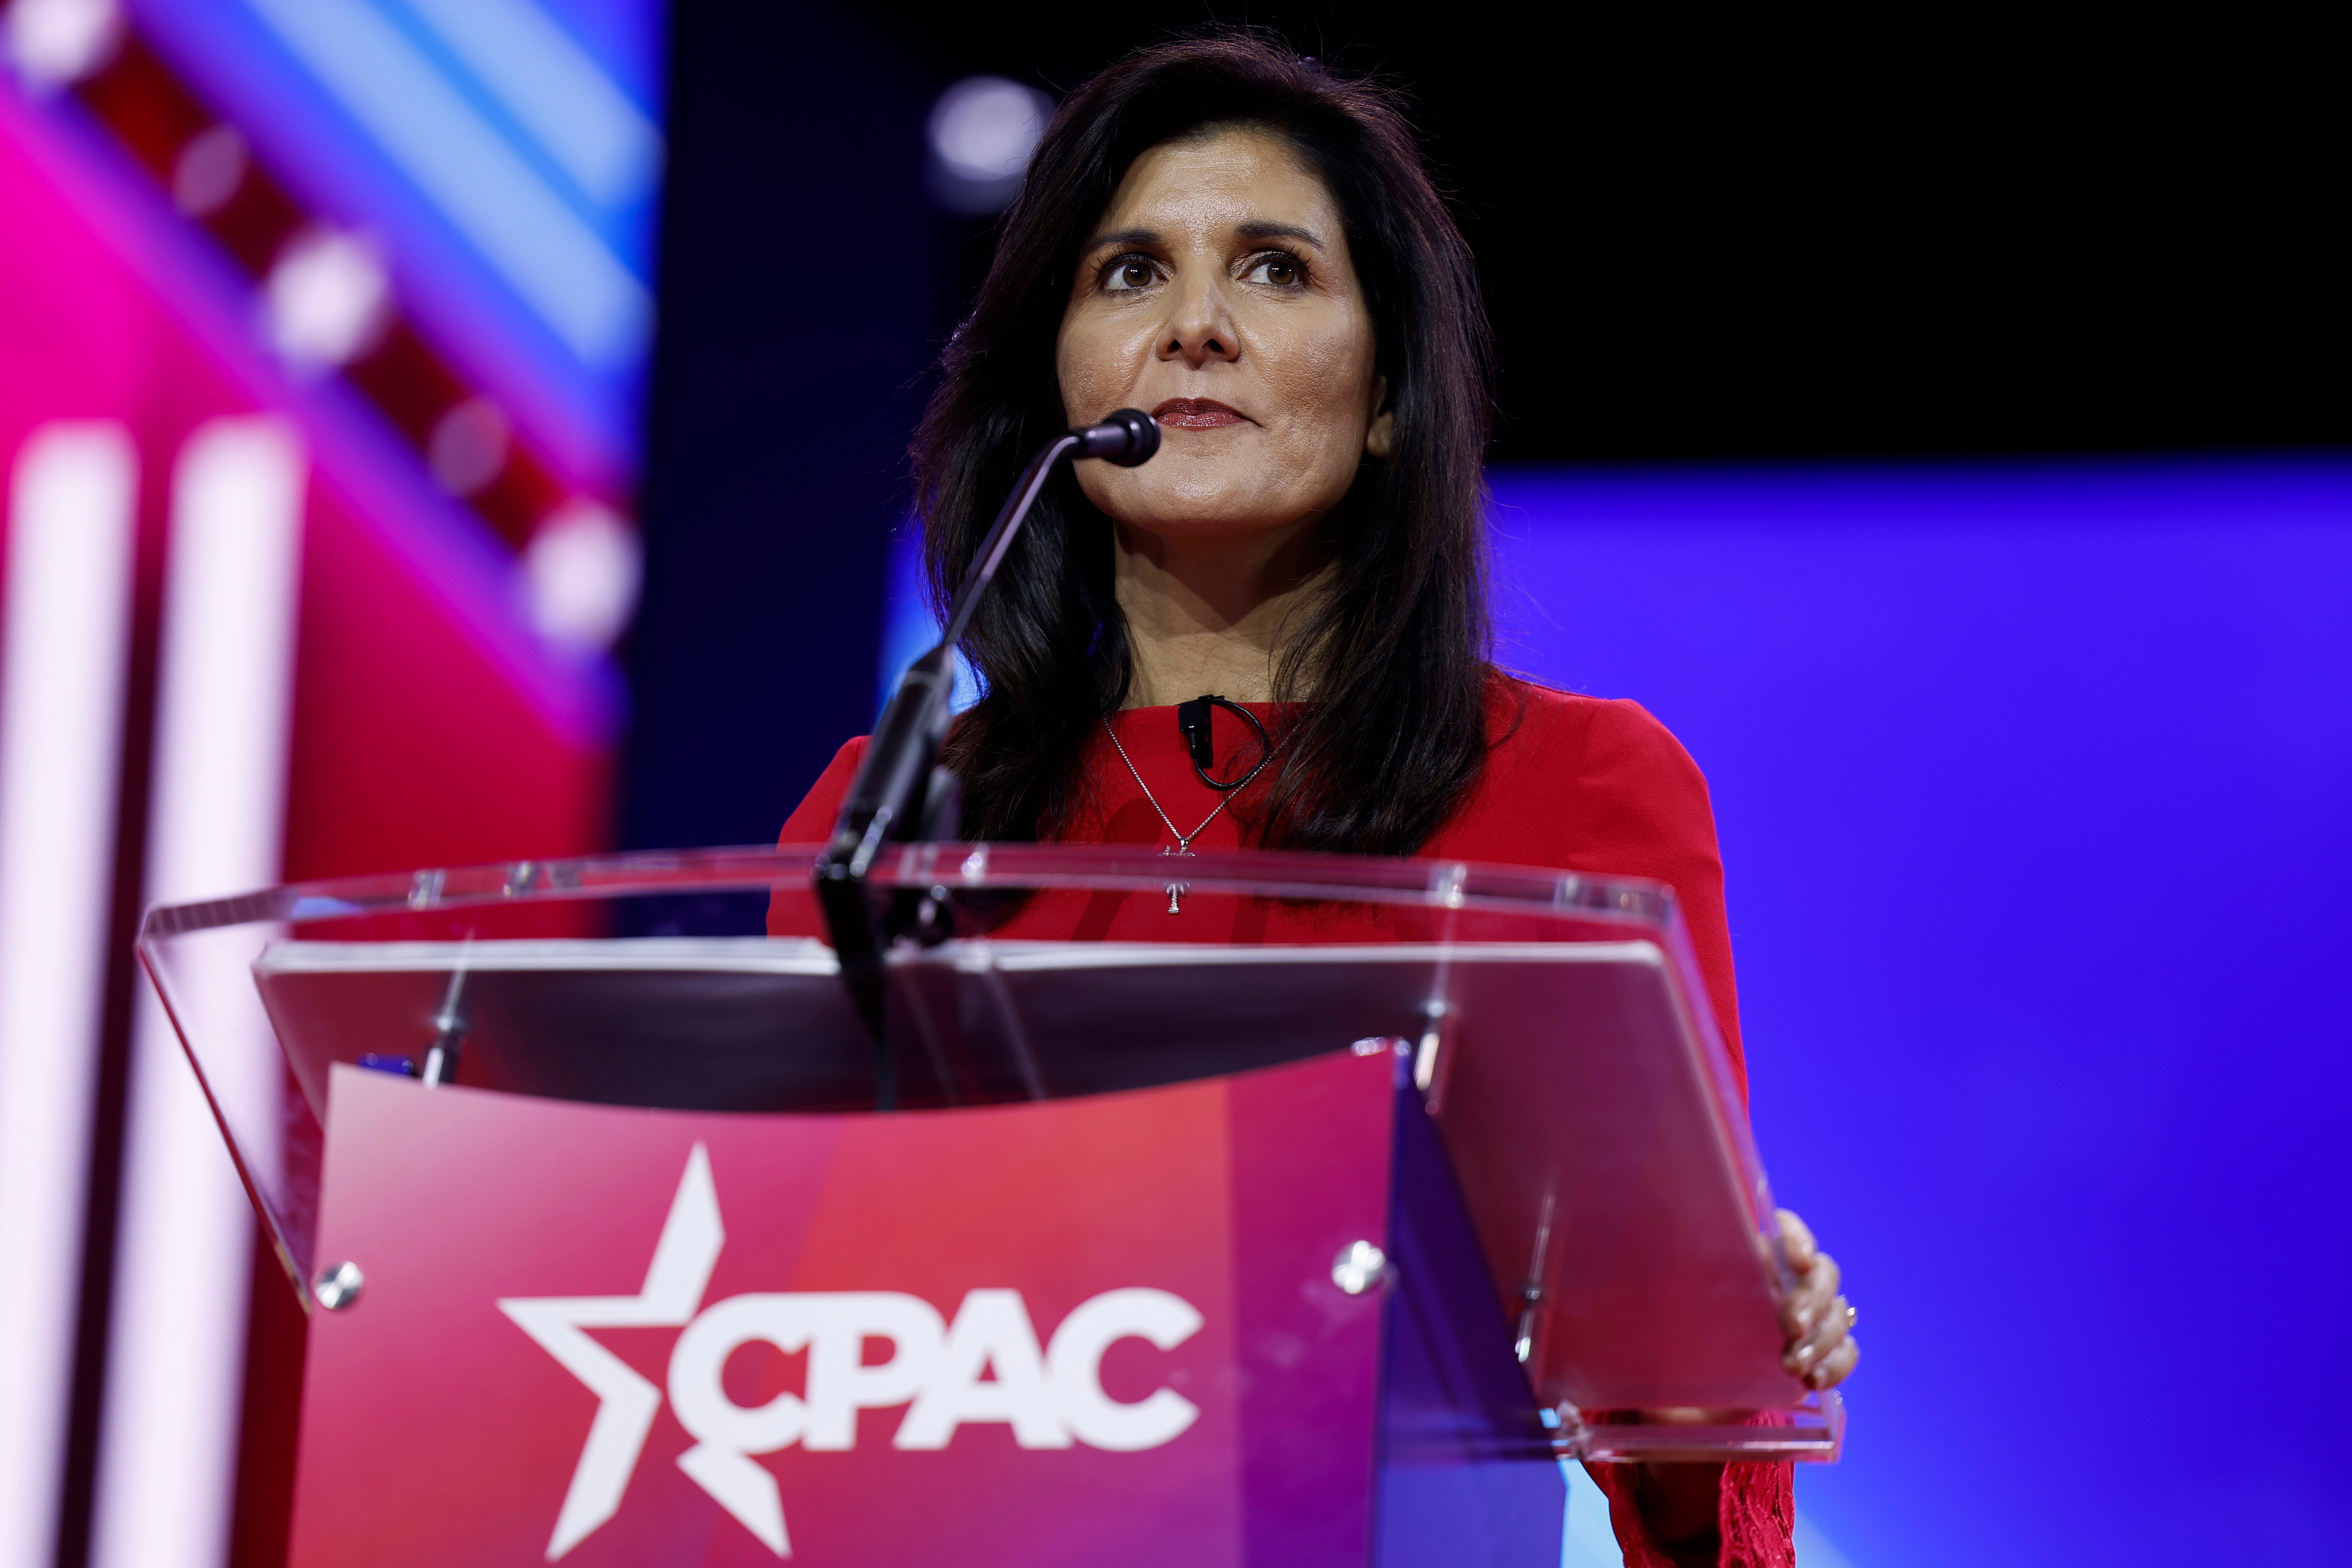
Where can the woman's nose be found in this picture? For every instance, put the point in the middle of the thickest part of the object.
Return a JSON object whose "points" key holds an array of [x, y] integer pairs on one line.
{"points": [[1200, 329]]}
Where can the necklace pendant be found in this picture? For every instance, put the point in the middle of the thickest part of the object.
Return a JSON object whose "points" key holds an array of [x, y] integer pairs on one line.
{"points": [[1177, 890]]}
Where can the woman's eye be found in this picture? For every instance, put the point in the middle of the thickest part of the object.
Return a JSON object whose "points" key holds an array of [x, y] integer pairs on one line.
{"points": [[1281, 271], [1123, 277]]}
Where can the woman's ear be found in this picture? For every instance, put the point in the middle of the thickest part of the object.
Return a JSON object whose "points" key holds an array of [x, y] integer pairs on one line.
{"points": [[1381, 434]]}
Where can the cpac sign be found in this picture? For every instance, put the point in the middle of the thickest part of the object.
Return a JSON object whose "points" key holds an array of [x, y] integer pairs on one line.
{"points": [[988, 1365]]}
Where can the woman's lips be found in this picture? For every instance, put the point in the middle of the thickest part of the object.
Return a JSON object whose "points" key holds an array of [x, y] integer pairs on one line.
{"points": [[1196, 413]]}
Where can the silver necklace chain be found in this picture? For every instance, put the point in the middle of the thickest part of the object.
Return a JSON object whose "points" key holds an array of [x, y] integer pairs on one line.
{"points": [[1176, 890], [1183, 840]]}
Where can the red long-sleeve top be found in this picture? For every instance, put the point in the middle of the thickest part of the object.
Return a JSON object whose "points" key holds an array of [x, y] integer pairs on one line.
{"points": [[1570, 783]]}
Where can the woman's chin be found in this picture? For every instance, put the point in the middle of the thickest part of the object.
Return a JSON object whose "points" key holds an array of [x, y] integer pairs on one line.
{"points": [[1233, 518], [1199, 504]]}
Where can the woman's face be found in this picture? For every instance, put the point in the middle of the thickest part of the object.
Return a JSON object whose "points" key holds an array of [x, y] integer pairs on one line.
{"points": [[1216, 295]]}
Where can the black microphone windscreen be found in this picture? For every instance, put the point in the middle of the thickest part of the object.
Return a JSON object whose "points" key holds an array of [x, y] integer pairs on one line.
{"points": [[1127, 438]]}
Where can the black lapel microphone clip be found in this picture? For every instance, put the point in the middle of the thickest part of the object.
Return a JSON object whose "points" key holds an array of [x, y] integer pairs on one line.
{"points": [[1192, 722]]}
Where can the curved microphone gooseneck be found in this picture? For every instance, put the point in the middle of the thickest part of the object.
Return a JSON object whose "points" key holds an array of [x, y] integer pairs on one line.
{"points": [[900, 794]]}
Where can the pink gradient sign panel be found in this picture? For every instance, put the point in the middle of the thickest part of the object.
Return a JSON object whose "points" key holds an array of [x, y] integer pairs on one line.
{"points": [[1088, 1329]]}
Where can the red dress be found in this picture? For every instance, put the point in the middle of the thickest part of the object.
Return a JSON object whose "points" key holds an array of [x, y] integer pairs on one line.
{"points": [[1572, 783]]}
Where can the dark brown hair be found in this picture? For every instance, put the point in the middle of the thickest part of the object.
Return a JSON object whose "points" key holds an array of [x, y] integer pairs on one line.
{"points": [[1394, 654]]}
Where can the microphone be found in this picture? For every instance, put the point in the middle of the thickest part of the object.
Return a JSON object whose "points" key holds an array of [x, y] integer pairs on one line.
{"points": [[898, 794], [1127, 438]]}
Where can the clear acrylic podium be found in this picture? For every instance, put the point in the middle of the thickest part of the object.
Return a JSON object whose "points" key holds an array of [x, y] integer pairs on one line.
{"points": [[1440, 1176]]}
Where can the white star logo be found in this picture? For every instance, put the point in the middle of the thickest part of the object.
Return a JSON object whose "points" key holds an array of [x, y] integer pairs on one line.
{"points": [[988, 1365], [683, 1258]]}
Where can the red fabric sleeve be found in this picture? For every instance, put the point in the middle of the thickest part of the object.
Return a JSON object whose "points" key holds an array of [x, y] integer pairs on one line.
{"points": [[812, 820], [1653, 811], [795, 913], [1652, 816], [1756, 1514], [1603, 788], [1584, 785]]}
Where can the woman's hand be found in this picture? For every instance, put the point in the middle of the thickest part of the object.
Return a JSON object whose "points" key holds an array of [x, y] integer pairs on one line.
{"points": [[1678, 1501], [1820, 1347]]}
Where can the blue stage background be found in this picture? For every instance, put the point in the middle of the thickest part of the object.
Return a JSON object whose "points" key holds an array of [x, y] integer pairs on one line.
{"points": [[2033, 785]]}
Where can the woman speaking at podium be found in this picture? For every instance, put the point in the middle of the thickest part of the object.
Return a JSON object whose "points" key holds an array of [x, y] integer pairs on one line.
{"points": [[1275, 633]]}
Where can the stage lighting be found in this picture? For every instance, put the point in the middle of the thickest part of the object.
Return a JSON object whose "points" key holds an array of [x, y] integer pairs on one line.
{"points": [[982, 131], [468, 446], [328, 299], [581, 571], [55, 42]]}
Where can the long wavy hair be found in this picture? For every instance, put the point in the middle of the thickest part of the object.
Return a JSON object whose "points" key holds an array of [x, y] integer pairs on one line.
{"points": [[1391, 653]]}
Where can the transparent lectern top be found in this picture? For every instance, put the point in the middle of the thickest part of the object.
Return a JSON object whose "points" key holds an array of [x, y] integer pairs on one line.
{"points": [[1556, 1024]]}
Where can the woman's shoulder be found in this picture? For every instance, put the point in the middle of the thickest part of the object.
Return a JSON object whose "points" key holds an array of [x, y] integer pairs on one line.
{"points": [[1550, 727], [1589, 783], [812, 820], [1586, 784]]}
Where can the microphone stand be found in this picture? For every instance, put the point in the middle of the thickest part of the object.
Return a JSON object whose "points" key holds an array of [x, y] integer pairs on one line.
{"points": [[900, 795]]}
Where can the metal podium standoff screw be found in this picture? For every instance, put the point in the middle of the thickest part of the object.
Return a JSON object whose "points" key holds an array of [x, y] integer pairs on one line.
{"points": [[339, 1287], [1359, 1267]]}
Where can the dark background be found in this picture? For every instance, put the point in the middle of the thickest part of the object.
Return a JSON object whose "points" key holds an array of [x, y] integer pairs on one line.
{"points": [[1703, 239]]}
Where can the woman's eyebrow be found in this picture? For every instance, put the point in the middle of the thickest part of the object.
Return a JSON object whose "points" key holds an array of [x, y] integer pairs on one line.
{"points": [[1260, 229], [1125, 237], [1249, 229]]}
